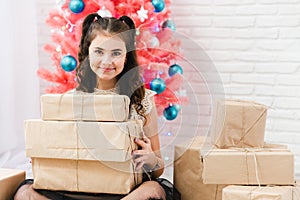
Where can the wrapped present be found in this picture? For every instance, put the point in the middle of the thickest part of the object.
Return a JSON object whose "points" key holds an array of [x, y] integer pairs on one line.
{"points": [[239, 123], [249, 166], [188, 169], [296, 191], [85, 176], [85, 106], [106, 141], [10, 179], [255, 193]]}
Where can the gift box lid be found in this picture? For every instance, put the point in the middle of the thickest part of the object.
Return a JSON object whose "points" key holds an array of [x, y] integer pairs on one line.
{"points": [[85, 106]]}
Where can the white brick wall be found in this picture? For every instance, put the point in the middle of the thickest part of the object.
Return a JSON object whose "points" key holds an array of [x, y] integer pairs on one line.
{"points": [[254, 45]]}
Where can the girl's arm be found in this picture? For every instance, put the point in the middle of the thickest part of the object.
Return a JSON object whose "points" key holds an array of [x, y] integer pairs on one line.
{"points": [[150, 154]]}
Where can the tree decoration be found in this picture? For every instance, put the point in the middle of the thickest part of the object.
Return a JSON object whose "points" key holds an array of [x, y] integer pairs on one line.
{"points": [[170, 113], [158, 85], [68, 63], [76, 6], [157, 48], [143, 14], [103, 12], [169, 24], [174, 69], [158, 5]]}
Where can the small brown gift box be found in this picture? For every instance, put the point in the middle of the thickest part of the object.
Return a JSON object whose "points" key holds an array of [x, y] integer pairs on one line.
{"points": [[249, 166], [239, 123], [107, 141], [255, 193], [85, 176], [188, 168], [10, 179], [85, 106]]}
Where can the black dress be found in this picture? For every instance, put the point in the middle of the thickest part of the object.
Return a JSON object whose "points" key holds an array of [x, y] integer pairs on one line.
{"points": [[171, 193]]}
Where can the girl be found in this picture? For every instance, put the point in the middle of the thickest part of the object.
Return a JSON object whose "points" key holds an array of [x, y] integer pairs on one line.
{"points": [[108, 65]]}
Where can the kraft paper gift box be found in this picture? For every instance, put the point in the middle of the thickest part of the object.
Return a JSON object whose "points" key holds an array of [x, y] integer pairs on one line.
{"points": [[85, 176], [239, 123], [10, 179], [258, 193], [85, 106], [296, 191], [188, 172], [249, 166], [109, 141]]}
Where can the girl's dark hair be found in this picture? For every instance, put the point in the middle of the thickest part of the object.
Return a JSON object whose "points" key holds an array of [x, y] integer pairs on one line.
{"points": [[129, 81]]}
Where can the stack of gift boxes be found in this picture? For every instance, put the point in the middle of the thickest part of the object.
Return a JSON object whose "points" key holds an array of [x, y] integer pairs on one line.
{"points": [[83, 143], [235, 163]]}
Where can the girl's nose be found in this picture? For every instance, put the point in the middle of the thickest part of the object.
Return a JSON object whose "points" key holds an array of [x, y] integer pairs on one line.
{"points": [[107, 59]]}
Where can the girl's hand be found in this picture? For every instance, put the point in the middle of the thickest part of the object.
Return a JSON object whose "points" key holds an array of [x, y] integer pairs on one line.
{"points": [[145, 155]]}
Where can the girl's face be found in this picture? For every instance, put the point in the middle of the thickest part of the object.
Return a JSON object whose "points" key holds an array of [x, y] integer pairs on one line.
{"points": [[107, 56]]}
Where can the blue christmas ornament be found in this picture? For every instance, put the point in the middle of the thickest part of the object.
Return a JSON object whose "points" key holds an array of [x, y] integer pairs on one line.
{"points": [[158, 5], [158, 85], [170, 112], [169, 24], [76, 6], [68, 63], [174, 69]]}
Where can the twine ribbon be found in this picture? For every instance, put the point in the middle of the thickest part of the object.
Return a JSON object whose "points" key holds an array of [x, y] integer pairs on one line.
{"points": [[293, 193], [249, 150], [245, 131], [77, 139]]}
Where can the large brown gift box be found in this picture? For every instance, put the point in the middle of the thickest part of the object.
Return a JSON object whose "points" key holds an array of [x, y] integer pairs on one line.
{"points": [[239, 123], [85, 106], [107, 141], [296, 191], [188, 172], [10, 179], [255, 193], [85, 176], [249, 166]]}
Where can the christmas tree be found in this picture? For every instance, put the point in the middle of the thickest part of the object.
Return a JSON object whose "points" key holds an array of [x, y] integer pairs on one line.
{"points": [[157, 48]]}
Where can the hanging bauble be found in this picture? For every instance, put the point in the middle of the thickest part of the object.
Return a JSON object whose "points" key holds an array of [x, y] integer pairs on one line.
{"points": [[158, 85], [158, 5], [68, 63], [170, 112], [103, 12], [169, 24], [174, 69], [76, 6]]}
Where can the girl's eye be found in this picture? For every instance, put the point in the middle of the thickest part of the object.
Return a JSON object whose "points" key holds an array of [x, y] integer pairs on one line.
{"points": [[116, 53], [99, 52]]}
